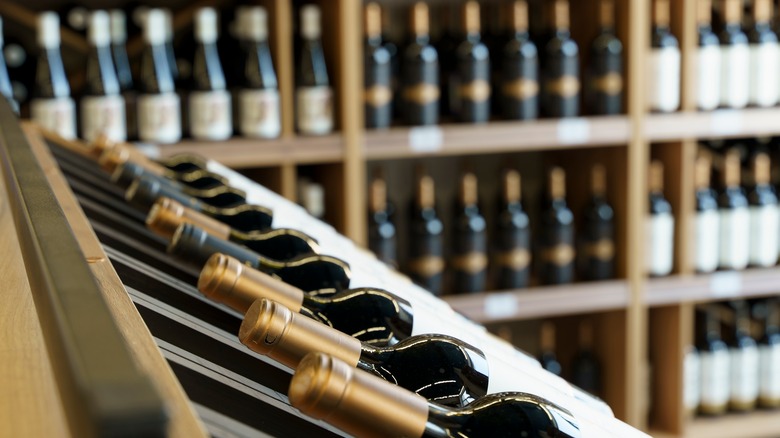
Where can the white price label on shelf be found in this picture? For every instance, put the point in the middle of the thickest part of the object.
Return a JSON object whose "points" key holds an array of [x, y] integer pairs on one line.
{"points": [[573, 131], [726, 284], [726, 122], [500, 305], [150, 150], [426, 139]]}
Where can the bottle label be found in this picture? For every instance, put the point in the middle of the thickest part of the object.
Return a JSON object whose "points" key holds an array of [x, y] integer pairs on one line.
{"points": [[259, 113], [602, 249], [103, 115], [57, 115], [470, 263], [377, 95], [734, 238], [691, 382], [521, 88], [427, 266], [764, 71], [314, 106], [715, 379], [663, 82], [159, 118], [610, 83], [769, 374], [660, 244], [764, 235], [744, 377], [562, 86], [476, 91], [210, 115], [734, 68], [422, 93], [559, 255], [516, 259], [707, 233], [708, 77]]}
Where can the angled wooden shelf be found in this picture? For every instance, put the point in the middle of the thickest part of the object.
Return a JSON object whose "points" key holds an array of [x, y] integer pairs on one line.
{"points": [[726, 123], [496, 137], [543, 301], [721, 285]]}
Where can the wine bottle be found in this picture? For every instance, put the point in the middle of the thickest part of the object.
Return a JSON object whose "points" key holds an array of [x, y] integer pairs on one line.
{"points": [[734, 58], [598, 240], [52, 107], [691, 380], [734, 217], [547, 357], [102, 107], [707, 222], [561, 70], [426, 262], [513, 236], [259, 102], [764, 56], [585, 368], [471, 82], [311, 196], [520, 69], [769, 357], [74, 16], [122, 66], [309, 273], [377, 72], [606, 73], [21, 67], [209, 101], [714, 358], [660, 225], [220, 197], [170, 55], [329, 389], [469, 253], [707, 59], [420, 73], [764, 215], [5, 81], [557, 237], [743, 353], [382, 234], [313, 95], [663, 82], [159, 111]]}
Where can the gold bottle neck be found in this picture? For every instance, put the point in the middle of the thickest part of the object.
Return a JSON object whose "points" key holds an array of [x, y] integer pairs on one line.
{"points": [[702, 172], [731, 170], [378, 194], [704, 12], [519, 16], [469, 189], [560, 15], [471, 23], [547, 336], [762, 169], [762, 11], [598, 180], [419, 19], [656, 177], [426, 192], [166, 215], [372, 20], [661, 13], [557, 183], [732, 11], [512, 187], [607, 13]]}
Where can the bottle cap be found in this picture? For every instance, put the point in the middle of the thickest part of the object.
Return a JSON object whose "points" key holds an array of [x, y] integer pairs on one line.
{"points": [[607, 13], [731, 169], [49, 30], [762, 11], [512, 186], [656, 177], [702, 172], [468, 189], [372, 20], [206, 25], [598, 180], [519, 16], [313, 198], [378, 199], [547, 336], [426, 190], [154, 29], [420, 25], [168, 15], [99, 32], [661, 13], [732, 11], [310, 22], [704, 12], [557, 182], [118, 26], [256, 24], [560, 14], [471, 17], [166, 215], [762, 168]]}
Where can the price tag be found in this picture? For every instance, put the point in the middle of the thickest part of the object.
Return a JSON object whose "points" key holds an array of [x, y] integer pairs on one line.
{"points": [[726, 122], [500, 305], [148, 149], [726, 284], [426, 139], [573, 131]]}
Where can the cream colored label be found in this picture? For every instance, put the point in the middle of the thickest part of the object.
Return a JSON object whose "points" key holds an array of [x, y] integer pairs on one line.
{"points": [[735, 71], [259, 113], [764, 74], [314, 110], [707, 236], [691, 380], [769, 373], [715, 379], [708, 77], [663, 80], [660, 244], [103, 115], [210, 115], [159, 118], [56, 115], [764, 235], [734, 238], [744, 376]]}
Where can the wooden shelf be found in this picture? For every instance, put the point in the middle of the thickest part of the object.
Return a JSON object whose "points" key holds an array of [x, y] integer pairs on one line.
{"points": [[722, 285], [758, 424], [545, 301], [494, 137], [749, 122]]}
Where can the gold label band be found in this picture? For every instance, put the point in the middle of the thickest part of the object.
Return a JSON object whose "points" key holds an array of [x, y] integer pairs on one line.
{"points": [[427, 266], [560, 255], [471, 263], [610, 83], [476, 91], [516, 259], [713, 409], [603, 249], [377, 95], [521, 88], [422, 93], [564, 86]]}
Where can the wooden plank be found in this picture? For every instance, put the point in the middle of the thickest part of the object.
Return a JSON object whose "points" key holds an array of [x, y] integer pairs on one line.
{"points": [[758, 424], [667, 344], [723, 285], [749, 122]]}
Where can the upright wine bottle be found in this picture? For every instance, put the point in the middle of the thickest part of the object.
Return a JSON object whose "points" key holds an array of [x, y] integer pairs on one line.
{"points": [[311, 196], [520, 69], [764, 56], [420, 73], [159, 111], [561, 70], [512, 256], [547, 356], [598, 240], [173, 63], [660, 225], [313, 95], [585, 368], [471, 88], [691, 380], [707, 59], [469, 250], [52, 107], [5, 82], [606, 73], [122, 66], [557, 235], [734, 58], [714, 358], [382, 233], [743, 353], [663, 82], [734, 217], [707, 222], [769, 357], [102, 107], [327, 388], [764, 215], [426, 262], [377, 72]]}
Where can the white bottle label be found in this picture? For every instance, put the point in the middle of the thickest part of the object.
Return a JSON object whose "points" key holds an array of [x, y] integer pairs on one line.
{"points": [[769, 372], [210, 115], [664, 79], [764, 71], [159, 118], [56, 115], [259, 113], [708, 77], [744, 376], [764, 235], [715, 378], [734, 238], [691, 380], [735, 71], [314, 110], [707, 229], [103, 115], [660, 244]]}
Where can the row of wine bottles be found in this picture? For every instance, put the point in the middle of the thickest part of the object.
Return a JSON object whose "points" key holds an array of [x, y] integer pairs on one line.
{"points": [[585, 368], [735, 67], [735, 363], [508, 254]]}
